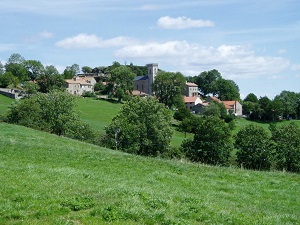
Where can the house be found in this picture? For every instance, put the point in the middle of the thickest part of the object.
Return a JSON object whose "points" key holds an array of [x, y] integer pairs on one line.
{"points": [[190, 102], [191, 89], [233, 107], [79, 85], [144, 83]]}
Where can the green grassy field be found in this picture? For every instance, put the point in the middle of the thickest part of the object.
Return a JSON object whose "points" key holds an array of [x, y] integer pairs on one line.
{"points": [[5, 102], [46, 179]]}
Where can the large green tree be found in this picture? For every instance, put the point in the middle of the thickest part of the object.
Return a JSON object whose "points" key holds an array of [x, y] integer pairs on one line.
{"points": [[16, 65], [121, 81], [206, 81], [143, 126], [50, 79], [227, 90], [252, 144], [169, 88], [34, 68], [211, 143], [291, 104]]}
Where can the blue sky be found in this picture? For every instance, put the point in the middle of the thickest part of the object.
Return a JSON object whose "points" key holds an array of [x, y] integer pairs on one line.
{"points": [[253, 42]]}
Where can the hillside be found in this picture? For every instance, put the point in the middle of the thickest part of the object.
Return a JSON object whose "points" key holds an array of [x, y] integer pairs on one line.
{"points": [[46, 179]]}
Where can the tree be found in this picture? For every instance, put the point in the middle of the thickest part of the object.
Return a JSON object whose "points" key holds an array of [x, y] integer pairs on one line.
{"points": [[215, 109], [181, 113], [2, 71], [29, 88], [86, 69], [251, 98], [53, 112], [122, 81], [71, 71], [252, 144], [16, 65], [286, 145], [206, 81], [264, 104], [34, 68], [50, 79], [143, 126], [291, 103], [8, 79], [227, 90], [169, 88], [211, 143]]}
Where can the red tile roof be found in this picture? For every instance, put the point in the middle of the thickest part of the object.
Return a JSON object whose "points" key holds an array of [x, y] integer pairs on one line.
{"points": [[191, 84]]}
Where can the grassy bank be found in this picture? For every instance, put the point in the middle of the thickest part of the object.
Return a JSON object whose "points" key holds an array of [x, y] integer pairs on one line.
{"points": [[47, 179]]}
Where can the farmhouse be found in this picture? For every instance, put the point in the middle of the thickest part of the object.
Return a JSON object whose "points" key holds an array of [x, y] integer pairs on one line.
{"points": [[79, 85]]}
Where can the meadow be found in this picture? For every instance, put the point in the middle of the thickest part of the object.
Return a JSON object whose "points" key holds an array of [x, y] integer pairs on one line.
{"points": [[46, 179]]}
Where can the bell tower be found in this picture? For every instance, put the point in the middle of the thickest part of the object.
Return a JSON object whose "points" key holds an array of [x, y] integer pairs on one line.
{"points": [[152, 71]]}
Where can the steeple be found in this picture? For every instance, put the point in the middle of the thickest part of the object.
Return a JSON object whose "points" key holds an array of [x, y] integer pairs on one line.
{"points": [[152, 71]]}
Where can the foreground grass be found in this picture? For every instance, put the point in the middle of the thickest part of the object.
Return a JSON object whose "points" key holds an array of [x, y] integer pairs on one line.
{"points": [[47, 179]]}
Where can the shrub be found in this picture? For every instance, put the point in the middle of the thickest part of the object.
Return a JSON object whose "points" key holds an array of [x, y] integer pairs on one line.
{"points": [[252, 144]]}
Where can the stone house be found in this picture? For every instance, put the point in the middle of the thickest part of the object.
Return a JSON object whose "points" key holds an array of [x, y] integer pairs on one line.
{"points": [[190, 102], [191, 89]]}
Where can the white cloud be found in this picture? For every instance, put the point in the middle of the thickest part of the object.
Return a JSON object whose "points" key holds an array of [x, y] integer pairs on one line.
{"points": [[149, 7], [236, 62], [92, 41], [182, 22], [46, 35]]}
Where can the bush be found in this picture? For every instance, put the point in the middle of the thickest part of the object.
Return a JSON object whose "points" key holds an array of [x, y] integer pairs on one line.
{"points": [[286, 147], [211, 143], [252, 144]]}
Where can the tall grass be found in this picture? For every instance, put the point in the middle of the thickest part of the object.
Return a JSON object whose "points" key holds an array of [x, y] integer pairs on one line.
{"points": [[47, 179]]}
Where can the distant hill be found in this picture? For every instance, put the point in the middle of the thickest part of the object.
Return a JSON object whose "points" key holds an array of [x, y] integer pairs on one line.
{"points": [[46, 179]]}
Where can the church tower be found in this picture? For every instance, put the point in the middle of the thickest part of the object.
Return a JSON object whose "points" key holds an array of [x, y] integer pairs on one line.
{"points": [[152, 71]]}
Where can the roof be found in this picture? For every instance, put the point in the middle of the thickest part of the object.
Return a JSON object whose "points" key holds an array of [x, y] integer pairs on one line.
{"points": [[215, 98], [141, 78], [190, 99], [229, 104], [77, 81], [191, 84]]}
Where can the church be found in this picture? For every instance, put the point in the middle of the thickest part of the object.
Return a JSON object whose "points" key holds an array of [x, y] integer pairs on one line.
{"points": [[143, 84]]}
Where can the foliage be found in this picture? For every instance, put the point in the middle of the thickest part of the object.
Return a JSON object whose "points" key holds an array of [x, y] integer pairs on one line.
{"points": [[86, 69], [99, 86], [169, 88], [227, 90], [50, 79], [71, 71], [252, 144], [29, 88], [286, 144], [216, 109], [88, 94], [206, 81], [251, 98], [121, 81], [182, 113], [8, 79], [2, 71], [141, 127], [53, 112], [16, 65], [211, 143], [291, 104], [34, 68]]}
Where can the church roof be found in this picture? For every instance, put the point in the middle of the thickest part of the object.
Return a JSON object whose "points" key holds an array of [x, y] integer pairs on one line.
{"points": [[141, 78]]}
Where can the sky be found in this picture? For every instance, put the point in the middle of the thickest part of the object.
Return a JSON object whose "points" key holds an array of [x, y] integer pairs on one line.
{"points": [[255, 43]]}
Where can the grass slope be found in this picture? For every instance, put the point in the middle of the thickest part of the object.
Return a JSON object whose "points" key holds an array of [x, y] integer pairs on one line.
{"points": [[47, 179], [5, 102]]}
